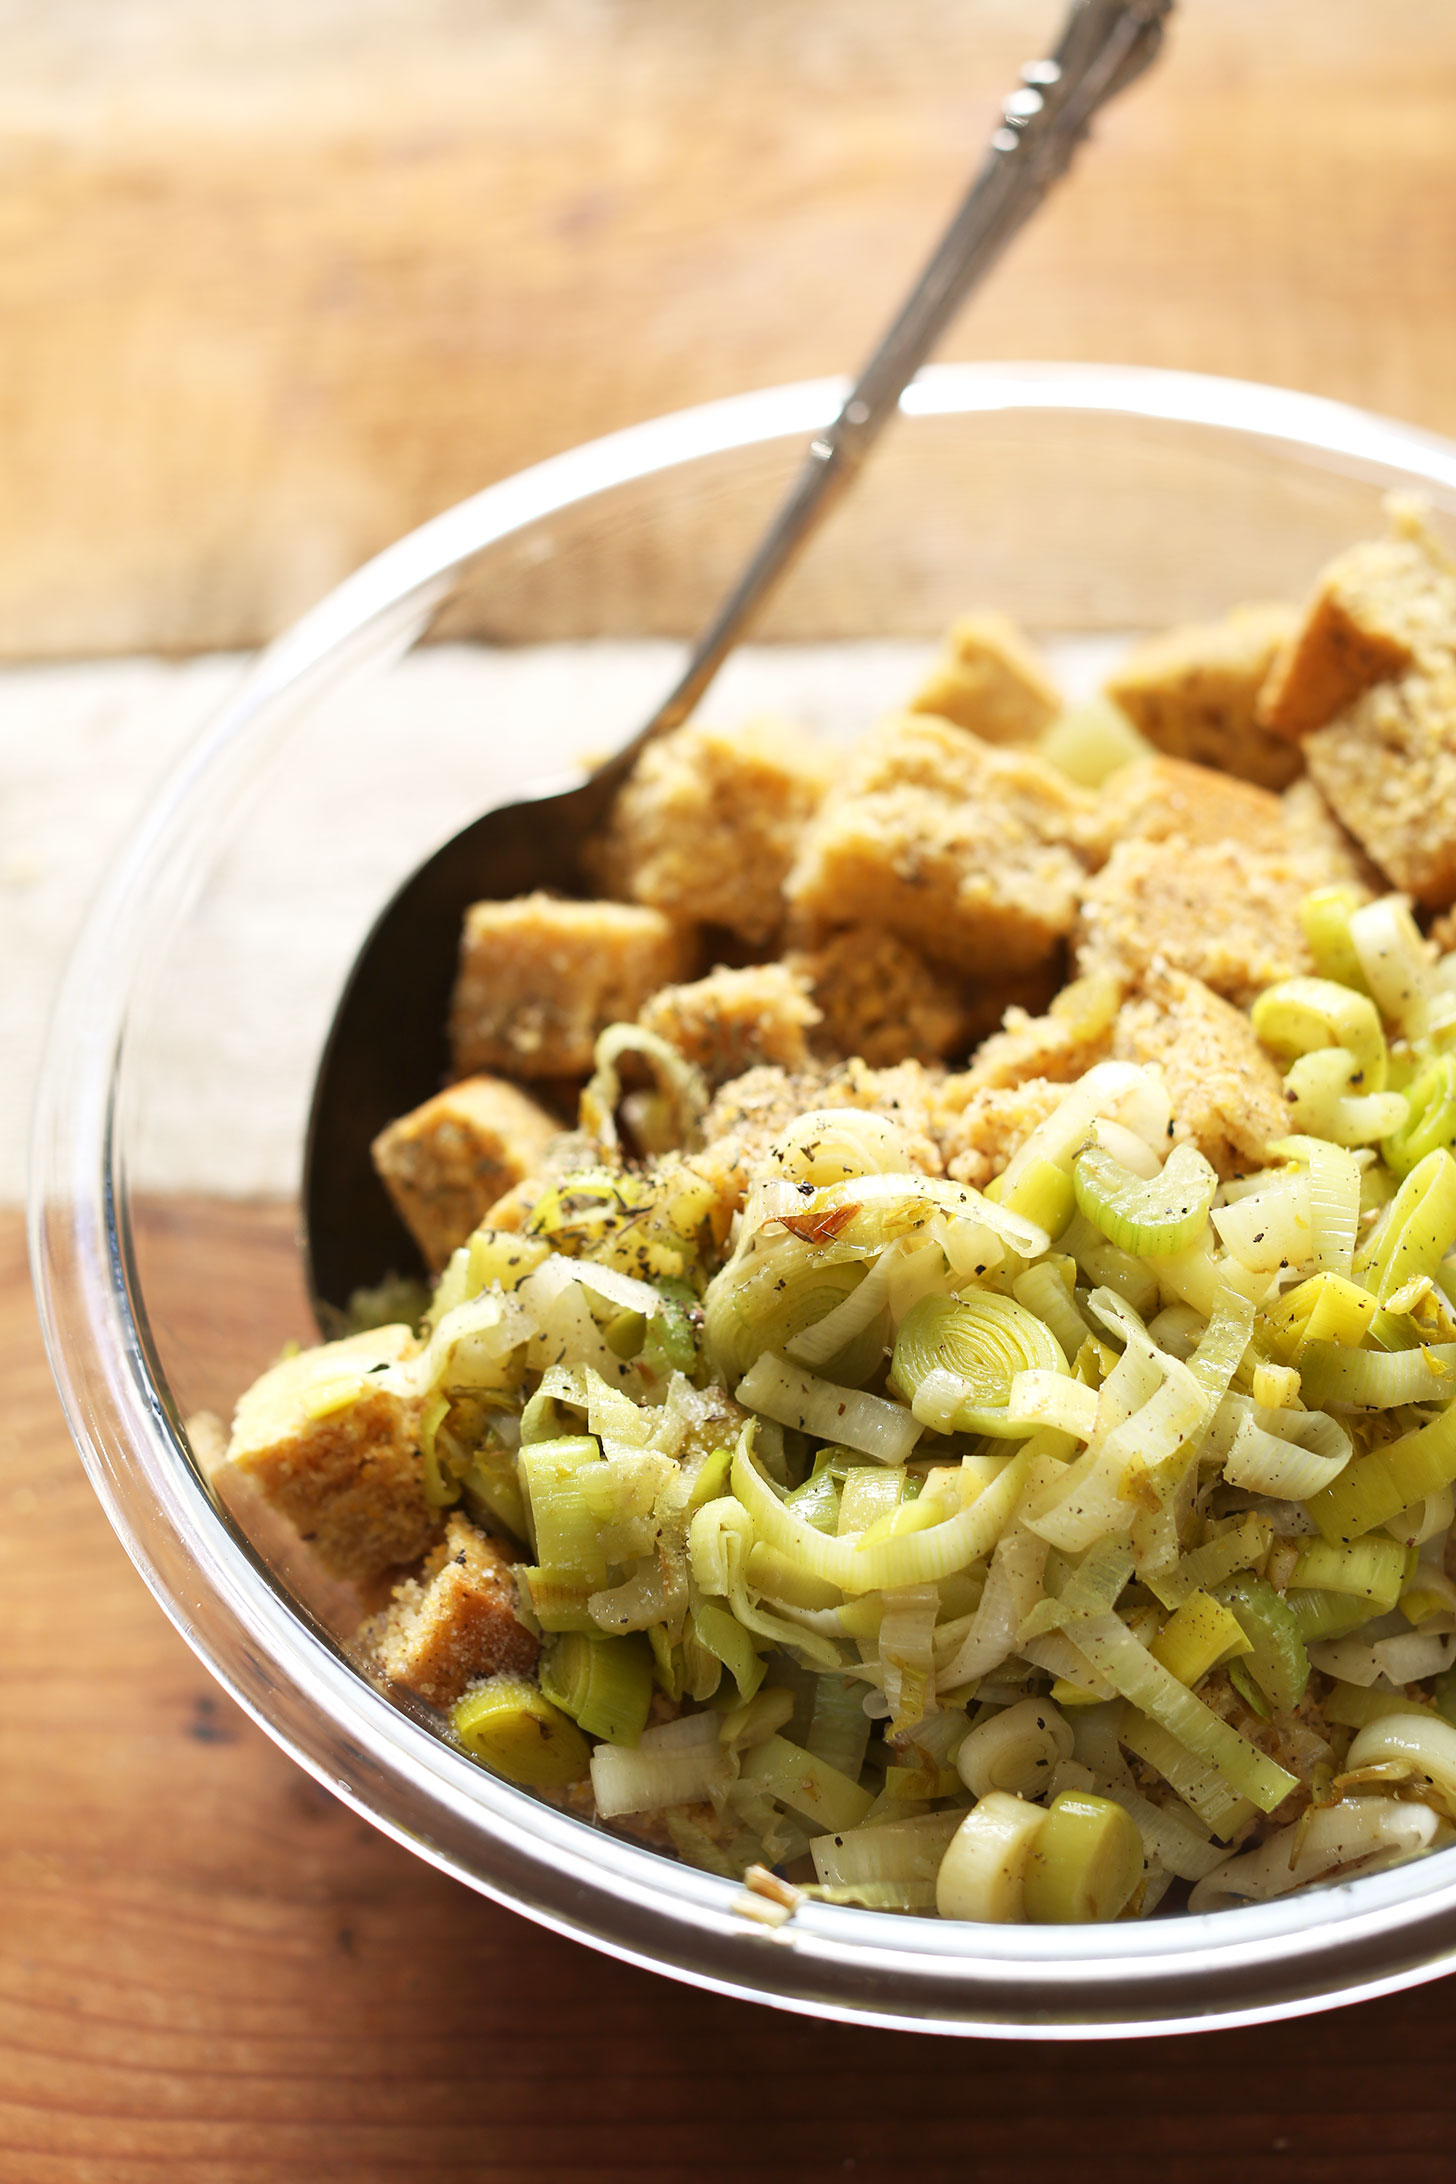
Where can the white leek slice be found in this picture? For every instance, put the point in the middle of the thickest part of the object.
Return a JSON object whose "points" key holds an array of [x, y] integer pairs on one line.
{"points": [[1270, 1229], [1398, 962], [1012, 1591], [886, 1851], [912, 1558], [865, 1215], [887, 1431], [1353, 1833], [1288, 1455], [836, 1144], [827, 1337], [1131, 1670], [1123, 1092], [907, 1652], [647, 1780], [1334, 1198], [983, 1873], [1176, 1842], [1050, 1399], [1016, 1751], [473, 1345], [1411, 1659]]}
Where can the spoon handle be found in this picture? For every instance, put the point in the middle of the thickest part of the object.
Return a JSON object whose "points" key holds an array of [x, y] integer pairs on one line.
{"points": [[1104, 46]]}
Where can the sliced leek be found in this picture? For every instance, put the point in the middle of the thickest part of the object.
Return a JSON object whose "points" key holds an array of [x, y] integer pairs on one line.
{"points": [[892, 1502], [1154, 1218], [955, 1360], [1086, 1862]]}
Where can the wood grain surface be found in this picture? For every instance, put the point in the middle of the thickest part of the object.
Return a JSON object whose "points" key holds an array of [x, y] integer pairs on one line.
{"points": [[212, 1973], [277, 282]]}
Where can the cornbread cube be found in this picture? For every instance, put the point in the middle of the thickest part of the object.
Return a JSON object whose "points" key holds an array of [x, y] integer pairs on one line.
{"points": [[1075, 1032], [980, 1132], [337, 1603], [1163, 799], [989, 680], [446, 1163], [1227, 1095], [1218, 910], [748, 1113], [1378, 609], [972, 854], [454, 1622], [1327, 850], [1194, 693], [1387, 766], [731, 1021], [745, 1116], [709, 823], [883, 1000], [330, 1438], [540, 978]]}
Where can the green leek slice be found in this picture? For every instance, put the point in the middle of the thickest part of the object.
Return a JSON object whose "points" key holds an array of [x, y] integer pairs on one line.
{"points": [[1419, 1229], [1199, 1635], [510, 1727], [725, 1636], [1320, 1614], [1325, 915], [1305, 1015], [1133, 1673], [1376, 1487], [807, 1784], [1370, 1569], [1086, 1862], [955, 1361], [1276, 1659], [1431, 1124], [1367, 1380], [604, 1684], [566, 1533], [1148, 1218]]}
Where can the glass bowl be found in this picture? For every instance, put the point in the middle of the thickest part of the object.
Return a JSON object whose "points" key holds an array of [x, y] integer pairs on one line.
{"points": [[1085, 501]]}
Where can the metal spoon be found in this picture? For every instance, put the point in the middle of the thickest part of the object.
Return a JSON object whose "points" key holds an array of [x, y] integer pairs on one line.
{"points": [[386, 1048]]}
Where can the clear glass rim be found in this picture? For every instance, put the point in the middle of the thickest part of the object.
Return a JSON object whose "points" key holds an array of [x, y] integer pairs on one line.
{"points": [[1367, 1936]]}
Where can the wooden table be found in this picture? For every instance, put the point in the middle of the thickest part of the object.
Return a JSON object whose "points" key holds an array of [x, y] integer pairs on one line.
{"points": [[260, 315], [279, 281]]}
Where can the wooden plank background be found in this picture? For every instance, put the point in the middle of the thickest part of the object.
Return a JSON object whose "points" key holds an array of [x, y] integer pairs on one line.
{"points": [[279, 281], [275, 282]]}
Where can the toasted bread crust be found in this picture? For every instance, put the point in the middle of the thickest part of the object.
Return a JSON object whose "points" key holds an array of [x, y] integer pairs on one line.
{"points": [[883, 1000], [454, 1622], [346, 1473], [1387, 766], [540, 978], [1227, 1095], [989, 680], [973, 855], [733, 1020], [1224, 913], [1194, 692], [1378, 609], [710, 821], [446, 1163]]}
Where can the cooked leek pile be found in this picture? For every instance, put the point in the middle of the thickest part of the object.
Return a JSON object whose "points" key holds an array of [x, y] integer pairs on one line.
{"points": [[1013, 1554]]}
